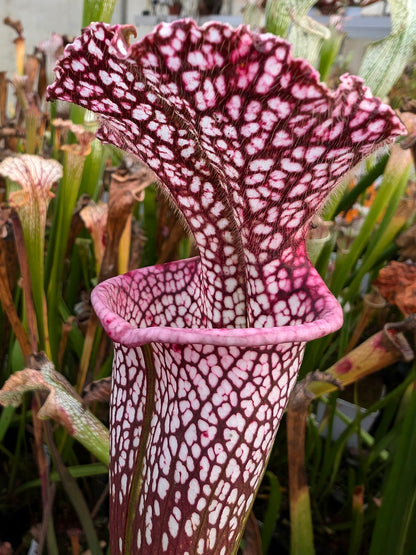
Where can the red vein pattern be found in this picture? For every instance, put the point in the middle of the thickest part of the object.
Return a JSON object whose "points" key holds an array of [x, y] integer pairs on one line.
{"points": [[248, 144]]}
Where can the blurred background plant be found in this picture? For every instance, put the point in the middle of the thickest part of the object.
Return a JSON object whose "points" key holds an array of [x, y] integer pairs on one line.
{"points": [[75, 212]]}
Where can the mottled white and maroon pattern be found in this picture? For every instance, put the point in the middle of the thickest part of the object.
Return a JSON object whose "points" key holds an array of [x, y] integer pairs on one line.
{"points": [[218, 400], [245, 139], [247, 143], [216, 412]]}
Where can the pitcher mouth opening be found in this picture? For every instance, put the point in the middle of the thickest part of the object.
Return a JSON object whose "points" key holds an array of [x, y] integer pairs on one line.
{"points": [[134, 310]]}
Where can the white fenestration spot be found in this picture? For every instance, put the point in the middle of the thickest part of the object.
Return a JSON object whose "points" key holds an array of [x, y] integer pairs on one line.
{"points": [[272, 66], [280, 107], [162, 487], [191, 80], [262, 165], [264, 83], [142, 112], [193, 491], [123, 484], [204, 467], [164, 132], [281, 139], [173, 526], [115, 66], [291, 166], [212, 538], [174, 63], [234, 107], [213, 35], [99, 34], [220, 85], [94, 50], [196, 58], [249, 129], [165, 152], [122, 47], [313, 153]]}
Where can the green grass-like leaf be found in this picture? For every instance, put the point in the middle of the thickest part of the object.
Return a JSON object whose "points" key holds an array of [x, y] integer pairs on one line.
{"points": [[394, 527], [272, 511], [385, 59]]}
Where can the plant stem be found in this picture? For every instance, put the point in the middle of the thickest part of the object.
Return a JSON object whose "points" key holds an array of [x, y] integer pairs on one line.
{"points": [[301, 535], [9, 308], [27, 289]]}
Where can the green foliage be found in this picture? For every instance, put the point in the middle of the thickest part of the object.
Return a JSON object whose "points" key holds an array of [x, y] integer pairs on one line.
{"points": [[364, 255], [329, 52], [272, 511], [66, 198], [97, 10], [51, 310], [344, 483], [385, 60], [394, 530], [290, 20]]}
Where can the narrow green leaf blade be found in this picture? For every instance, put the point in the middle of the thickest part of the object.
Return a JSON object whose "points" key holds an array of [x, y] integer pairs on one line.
{"points": [[5, 419], [393, 527], [385, 60], [272, 511]]}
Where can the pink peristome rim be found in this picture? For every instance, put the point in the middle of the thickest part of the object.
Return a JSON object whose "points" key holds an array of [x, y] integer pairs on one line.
{"points": [[330, 319]]}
